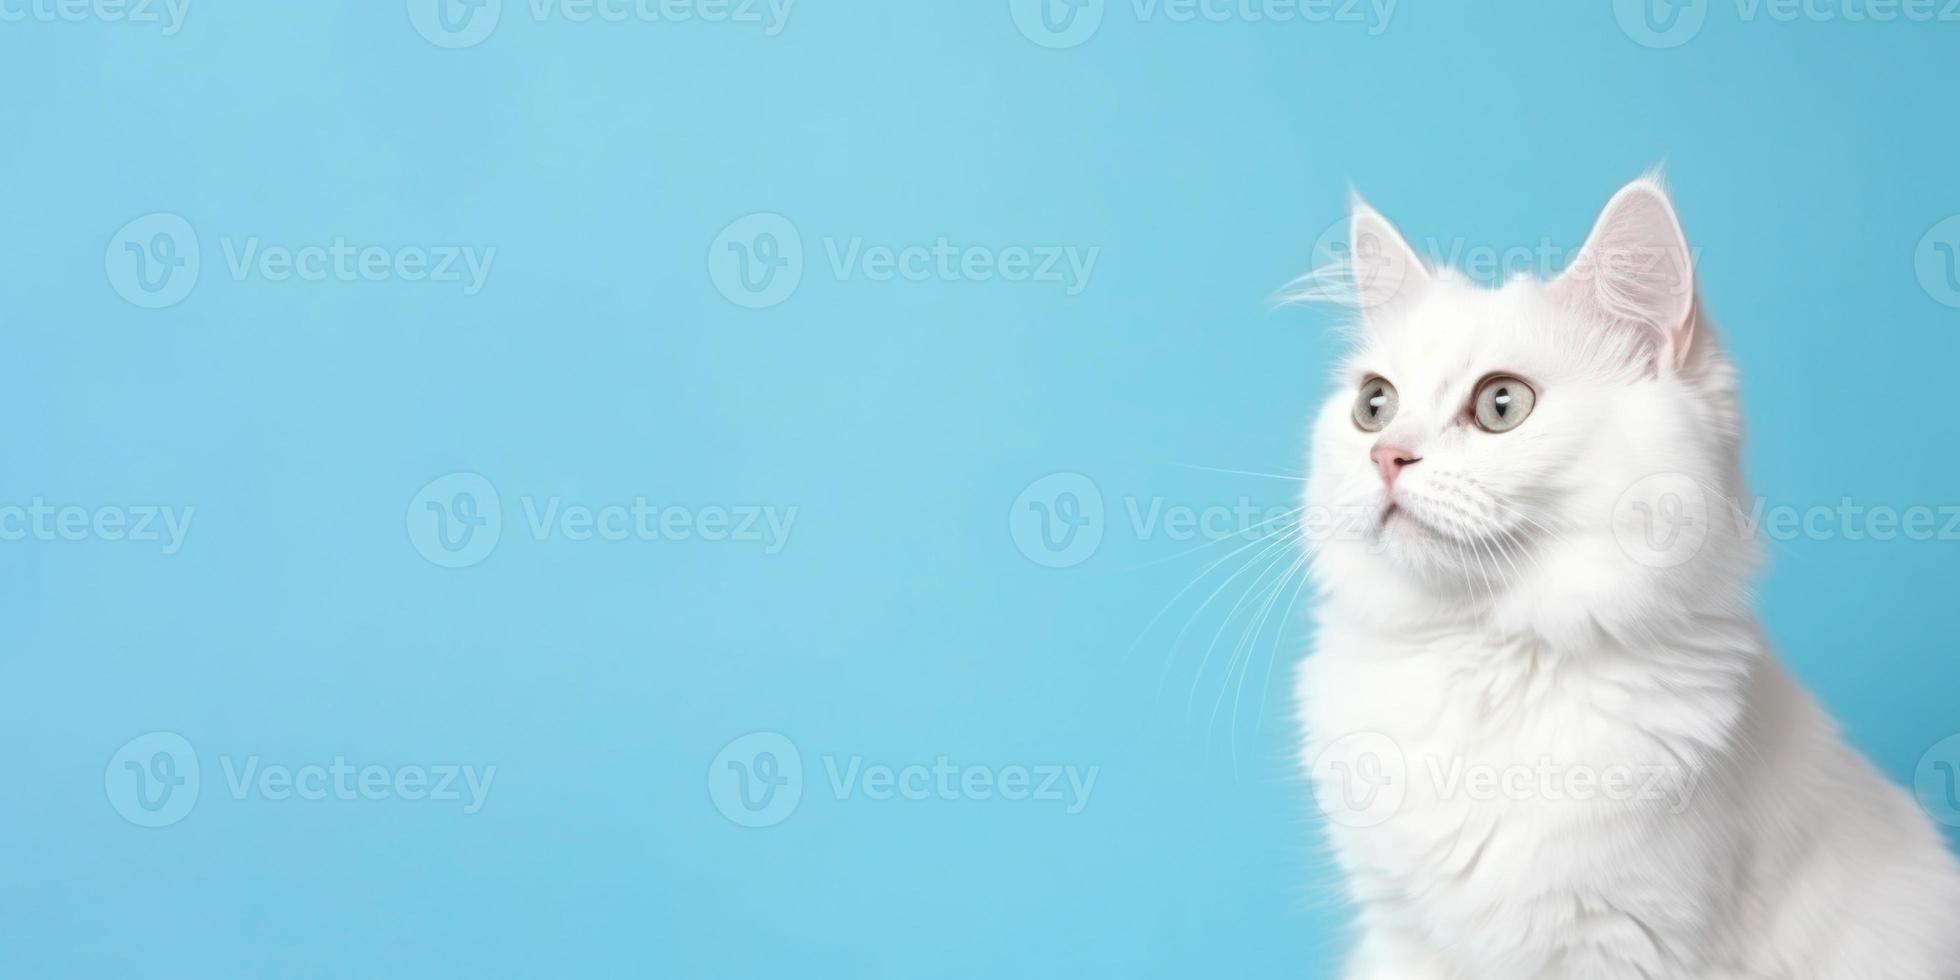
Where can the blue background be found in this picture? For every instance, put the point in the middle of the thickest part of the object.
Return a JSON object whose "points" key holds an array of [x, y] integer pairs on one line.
{"points": [[901, 622]]}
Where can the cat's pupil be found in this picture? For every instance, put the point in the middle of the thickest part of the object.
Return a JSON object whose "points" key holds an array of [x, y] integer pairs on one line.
{"points": [[1376, 401], [1503, 402]]}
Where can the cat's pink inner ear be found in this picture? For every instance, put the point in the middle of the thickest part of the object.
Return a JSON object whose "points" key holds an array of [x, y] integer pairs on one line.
{"points": [[1636, 272], [1386, 273]]}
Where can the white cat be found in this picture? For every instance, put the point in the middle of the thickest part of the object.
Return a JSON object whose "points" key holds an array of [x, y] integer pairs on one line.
{"points": [[1540, 715]]}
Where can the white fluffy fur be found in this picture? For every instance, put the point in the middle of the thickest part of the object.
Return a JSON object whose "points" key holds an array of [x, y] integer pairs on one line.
{"points": [[1497, 620]]}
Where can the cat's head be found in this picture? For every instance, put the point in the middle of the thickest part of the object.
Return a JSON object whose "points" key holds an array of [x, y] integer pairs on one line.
{"points": [[1546, 443]]}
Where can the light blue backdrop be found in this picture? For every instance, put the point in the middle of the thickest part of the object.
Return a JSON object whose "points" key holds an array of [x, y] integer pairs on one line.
{"points": [[305, 407]]}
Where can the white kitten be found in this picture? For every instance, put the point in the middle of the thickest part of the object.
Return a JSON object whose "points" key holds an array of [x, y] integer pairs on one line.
{"points": [[1540, 715]]}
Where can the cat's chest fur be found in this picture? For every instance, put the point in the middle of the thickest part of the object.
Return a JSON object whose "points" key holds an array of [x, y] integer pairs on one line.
{"points": [[1469, 777]]}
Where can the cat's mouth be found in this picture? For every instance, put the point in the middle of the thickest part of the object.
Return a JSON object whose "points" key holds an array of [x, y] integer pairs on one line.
{"points": [[1398, 515], [1393, 512]]}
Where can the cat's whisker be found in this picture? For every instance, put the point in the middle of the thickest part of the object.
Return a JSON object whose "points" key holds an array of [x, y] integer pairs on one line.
{"points": [[1249, 595], [1484, 540], [1331, 282], [1200, 577], [1251, 645], [1302, 569], [1469, 586], [1488, 589], [1463, 533], [1521, 515], [1272, 655], [1235, 535], [1466, 545], [1260, 560], [1269, 476], [1254, 597], [1505, 540], [1487, 536]]}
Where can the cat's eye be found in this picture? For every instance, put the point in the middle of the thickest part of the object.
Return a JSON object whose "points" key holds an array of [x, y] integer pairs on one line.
{"points": [[1375, 406], [1502, 403]]}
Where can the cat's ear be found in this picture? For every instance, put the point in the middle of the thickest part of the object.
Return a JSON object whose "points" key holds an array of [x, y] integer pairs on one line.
{"points": [[1385, 271], [1636, 274]]}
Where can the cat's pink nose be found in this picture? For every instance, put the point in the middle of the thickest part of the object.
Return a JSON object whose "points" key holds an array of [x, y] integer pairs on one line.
{"points": [[1390, 459]]}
